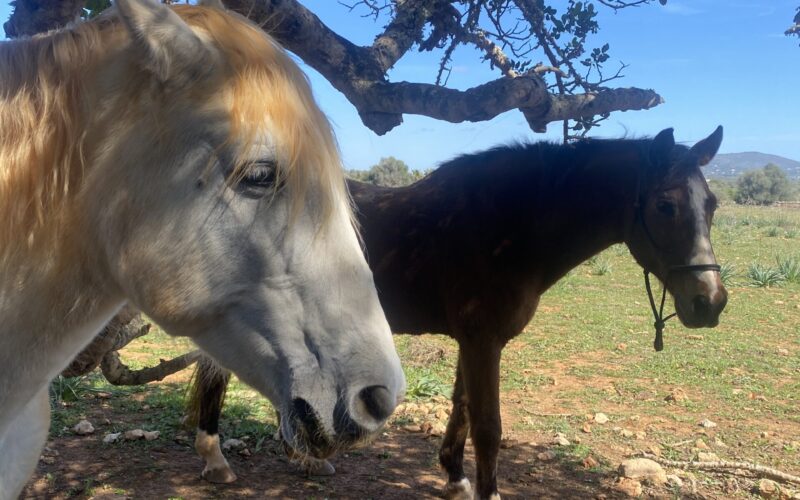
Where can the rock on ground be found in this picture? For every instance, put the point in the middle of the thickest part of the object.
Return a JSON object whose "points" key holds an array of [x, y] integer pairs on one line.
{"points": [[83, 428], [629, 487], [643, 469]]}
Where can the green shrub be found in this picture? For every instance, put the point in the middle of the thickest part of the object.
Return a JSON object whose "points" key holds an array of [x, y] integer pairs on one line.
{"points": [[764, 276], [789, 267]]}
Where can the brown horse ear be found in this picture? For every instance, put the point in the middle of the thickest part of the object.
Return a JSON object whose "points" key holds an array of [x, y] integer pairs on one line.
{"points": [[705, 150], [661, 147], [167, 45]]}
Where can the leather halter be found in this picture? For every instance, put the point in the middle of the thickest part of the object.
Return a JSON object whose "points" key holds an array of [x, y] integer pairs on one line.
{"points": [[658, 313]]}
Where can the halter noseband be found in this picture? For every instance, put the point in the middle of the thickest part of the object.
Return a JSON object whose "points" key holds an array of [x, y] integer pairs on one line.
{"points": [[658, 313]]}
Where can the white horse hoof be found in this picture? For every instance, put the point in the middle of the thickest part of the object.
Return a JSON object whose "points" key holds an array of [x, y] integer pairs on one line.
{"points": [[223, 475], [320, 468], [460, 490]]}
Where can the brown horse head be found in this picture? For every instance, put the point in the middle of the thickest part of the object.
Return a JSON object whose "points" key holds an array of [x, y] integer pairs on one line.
{"points": [[670, 235]]}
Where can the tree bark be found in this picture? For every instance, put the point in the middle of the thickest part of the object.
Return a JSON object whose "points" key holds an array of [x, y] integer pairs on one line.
{"points": [[37, 16], [360, 74], [119, 332], [117, 373]]}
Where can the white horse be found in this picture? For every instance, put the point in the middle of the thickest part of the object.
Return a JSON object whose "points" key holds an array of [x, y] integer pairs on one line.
{"points": [[175, 158]]}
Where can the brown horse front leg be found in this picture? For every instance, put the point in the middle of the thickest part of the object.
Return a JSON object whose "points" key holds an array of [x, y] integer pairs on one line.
{"points": [[480, 367], [451, 454]]}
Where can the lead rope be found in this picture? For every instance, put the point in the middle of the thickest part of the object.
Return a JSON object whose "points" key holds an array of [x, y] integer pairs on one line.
{"points": [[658, 314]]}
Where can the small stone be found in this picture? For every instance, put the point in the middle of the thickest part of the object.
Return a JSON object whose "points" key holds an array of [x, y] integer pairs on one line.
{"points": [[626, 433], [629, 487], [765, 434], [412, 428], [151, 435], [707, 457], [783, 352], [245, 452], [768, 489], [600, 418], [83, 428], [103, 395], [236, 444], [674, 481], [708, 424], [589, 462], [701, 445], [181, 437], [438, 429], [719, 442], [426, 427], [622, 347], [654, 449], [441, 414], [676, 395], [133, 435], [643, 469], [586, 428], [547, 456], [111, 437], [508, 443], [641, 435], [561, 441]]}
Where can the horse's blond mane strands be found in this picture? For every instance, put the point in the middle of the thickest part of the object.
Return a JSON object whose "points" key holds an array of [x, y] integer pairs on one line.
{"points": [[41, 129], [43, 118], [266, 82]]}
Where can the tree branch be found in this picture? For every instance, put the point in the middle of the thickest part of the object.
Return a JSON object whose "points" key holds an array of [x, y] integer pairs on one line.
{"points": [[723, 465], [36, 16], [117, 373], [359, 73], [119, 332]]}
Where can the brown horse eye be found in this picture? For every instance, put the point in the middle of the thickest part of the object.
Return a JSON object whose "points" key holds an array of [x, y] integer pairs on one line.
{"points": [[666, 208], [260, 174]]}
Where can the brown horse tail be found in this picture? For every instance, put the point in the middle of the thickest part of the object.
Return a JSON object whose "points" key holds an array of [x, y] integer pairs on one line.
{"points": [[206, 395]]}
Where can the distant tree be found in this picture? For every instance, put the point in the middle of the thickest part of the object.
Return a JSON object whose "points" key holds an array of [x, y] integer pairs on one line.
{"points": [[389, 172], [763, 187], [723, 189]]}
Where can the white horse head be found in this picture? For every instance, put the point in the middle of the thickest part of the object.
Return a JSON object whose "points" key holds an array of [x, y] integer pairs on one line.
{"points": [[178, 161]]}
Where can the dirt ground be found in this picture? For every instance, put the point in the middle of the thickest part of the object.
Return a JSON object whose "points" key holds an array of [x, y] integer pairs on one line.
{"points": [[401, 464]]}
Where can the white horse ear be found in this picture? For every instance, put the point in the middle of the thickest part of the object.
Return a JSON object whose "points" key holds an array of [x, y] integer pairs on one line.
{"points": [[170, 49], [216, 4]]}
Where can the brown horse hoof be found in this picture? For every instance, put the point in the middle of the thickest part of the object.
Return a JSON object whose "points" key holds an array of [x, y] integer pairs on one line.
{"points": [[223, 475], [316, 467], [459, 490]]}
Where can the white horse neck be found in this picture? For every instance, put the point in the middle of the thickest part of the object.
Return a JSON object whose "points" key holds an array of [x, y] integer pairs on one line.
{"points": [[45, 321]]}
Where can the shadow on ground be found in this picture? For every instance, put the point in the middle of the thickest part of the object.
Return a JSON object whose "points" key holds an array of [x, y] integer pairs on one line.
{"points": [[399, 465]]}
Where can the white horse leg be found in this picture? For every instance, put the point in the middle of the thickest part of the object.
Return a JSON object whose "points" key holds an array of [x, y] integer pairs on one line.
{"points": [[21, 445], [217, 469]]}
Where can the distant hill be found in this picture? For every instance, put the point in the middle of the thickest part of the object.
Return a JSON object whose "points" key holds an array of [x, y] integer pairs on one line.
{"points": [[731, 165]]}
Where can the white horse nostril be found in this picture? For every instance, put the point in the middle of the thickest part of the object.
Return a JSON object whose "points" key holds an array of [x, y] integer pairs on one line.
{"points": [[378, 402]]}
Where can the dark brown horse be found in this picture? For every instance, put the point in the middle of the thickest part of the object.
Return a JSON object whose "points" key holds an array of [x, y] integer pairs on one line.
{"points": [[469, 250]]}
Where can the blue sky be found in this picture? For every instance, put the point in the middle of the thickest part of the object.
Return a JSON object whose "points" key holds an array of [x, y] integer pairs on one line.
{"points": [[714, 62]]}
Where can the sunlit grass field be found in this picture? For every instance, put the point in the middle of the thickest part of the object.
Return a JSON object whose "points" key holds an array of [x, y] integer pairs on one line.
{"points": [[589, 349]]}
